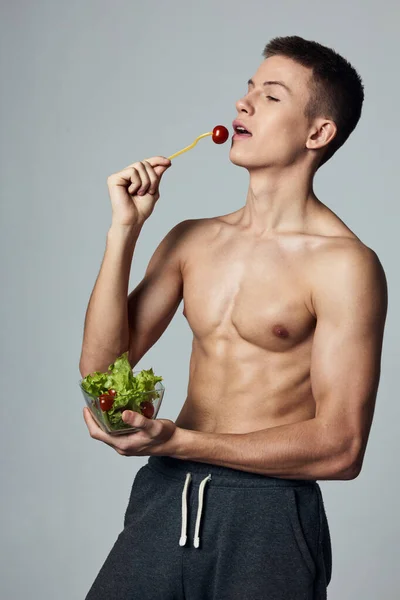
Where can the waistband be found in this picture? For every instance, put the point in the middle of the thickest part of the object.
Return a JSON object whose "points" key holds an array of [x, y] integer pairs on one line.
{"points": [[220, 476], [201, 474]]}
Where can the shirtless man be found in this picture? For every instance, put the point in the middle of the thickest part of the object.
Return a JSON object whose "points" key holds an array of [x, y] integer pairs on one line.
{"points": [[287, 307]]}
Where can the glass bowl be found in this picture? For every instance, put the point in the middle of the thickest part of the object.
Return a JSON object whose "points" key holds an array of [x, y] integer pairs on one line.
{"points": [[154, 396]]}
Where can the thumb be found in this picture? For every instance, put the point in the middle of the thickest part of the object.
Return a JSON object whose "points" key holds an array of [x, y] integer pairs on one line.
{"points": [[133, 418], [127, 416], [159, 163], [160, 169], [159, 160]]}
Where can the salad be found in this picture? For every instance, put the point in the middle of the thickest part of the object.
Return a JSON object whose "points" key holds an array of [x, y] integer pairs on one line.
{"points": [[120, 390]]}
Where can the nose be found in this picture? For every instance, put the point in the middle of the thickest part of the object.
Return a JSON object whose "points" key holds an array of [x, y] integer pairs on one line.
{"points": [[243, 105]]}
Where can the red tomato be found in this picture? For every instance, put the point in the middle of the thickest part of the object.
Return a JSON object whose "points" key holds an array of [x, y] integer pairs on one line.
{"points": [[220, 134], [147, 409], [106, 402], [112, 392]]}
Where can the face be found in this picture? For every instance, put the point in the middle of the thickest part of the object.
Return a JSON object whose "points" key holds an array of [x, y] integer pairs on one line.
{"points": [[274, 115]]}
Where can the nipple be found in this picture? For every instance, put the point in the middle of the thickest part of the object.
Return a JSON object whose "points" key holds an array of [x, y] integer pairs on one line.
{"points": [[280, 331]]}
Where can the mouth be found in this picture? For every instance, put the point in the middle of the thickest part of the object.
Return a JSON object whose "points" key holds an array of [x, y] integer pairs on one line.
{"points": [[241, 135], [240, 130]]}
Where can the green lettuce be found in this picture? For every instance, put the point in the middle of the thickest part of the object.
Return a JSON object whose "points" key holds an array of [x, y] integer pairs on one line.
{"points": [[129, 389]]}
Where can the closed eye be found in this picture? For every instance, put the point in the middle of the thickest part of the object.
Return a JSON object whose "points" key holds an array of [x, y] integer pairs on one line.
{"points": [[272, 98]]}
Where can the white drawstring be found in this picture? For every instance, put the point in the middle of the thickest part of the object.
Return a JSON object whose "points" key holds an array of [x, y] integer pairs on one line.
{"points": [[183, 538]]}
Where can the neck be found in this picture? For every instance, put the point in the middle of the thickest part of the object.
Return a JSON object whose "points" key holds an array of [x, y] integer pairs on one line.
{"points": [[279, 200]]}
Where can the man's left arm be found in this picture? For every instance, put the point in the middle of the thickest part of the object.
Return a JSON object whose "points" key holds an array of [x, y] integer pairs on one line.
{"points": [[351, 305]]}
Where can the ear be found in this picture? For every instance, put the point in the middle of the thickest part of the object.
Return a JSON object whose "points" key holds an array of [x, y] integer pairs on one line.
{"points": [[323, 131]]}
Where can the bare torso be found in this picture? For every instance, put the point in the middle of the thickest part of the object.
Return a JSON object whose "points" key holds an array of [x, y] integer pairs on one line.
{"points": [[248, 302]]}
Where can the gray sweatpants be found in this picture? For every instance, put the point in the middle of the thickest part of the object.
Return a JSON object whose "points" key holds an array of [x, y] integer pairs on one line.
{"points": [[196, 531]]}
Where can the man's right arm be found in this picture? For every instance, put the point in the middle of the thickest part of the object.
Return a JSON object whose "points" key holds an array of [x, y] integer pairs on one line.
{"points": [[115, 322]]}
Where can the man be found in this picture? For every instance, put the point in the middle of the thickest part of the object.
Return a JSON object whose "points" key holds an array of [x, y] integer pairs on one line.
{"points": [[287, 307]]}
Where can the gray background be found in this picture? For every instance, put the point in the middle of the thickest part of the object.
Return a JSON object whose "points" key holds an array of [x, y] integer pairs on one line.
{"points": [[87, 88]]}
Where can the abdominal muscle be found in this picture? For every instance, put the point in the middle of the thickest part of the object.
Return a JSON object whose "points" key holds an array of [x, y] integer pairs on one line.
{"points": [[239, 388]]}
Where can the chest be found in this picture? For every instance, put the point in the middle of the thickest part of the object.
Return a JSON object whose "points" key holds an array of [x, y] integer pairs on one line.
{"points": [[256, 291]]}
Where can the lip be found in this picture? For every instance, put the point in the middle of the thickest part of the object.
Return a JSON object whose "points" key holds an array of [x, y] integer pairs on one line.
{"points": [[238, 123], [239, 136]]}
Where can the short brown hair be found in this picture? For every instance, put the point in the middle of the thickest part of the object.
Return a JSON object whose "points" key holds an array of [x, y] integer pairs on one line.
{"points": [[337, 91]]}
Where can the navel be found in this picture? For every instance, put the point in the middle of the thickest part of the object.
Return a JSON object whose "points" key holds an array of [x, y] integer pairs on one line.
{"points": [[280, 331]]}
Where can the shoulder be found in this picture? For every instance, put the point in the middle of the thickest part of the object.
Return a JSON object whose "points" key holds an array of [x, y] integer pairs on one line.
{"points": [[189, 235], [185, 230], [195, 231], [345, 270], [346, 255]]}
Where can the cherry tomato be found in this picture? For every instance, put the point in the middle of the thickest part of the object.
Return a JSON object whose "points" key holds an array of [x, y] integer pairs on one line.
{"points": [[106, 402], [111, 392], [147, 409], [220, 134]]}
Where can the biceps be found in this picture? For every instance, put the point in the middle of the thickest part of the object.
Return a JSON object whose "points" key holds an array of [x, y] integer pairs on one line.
{"points": [[345, 370], [151, 307]]}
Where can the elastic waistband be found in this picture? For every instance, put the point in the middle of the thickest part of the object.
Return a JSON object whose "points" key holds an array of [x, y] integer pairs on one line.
{"points": [[177, 469]]}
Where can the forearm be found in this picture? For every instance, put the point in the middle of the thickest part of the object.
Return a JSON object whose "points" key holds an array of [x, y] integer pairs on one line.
{"points": [[106, 328], [302, 450]]}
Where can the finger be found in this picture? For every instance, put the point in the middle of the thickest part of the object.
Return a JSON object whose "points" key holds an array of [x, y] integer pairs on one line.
{"points": [[130, 175], [154, 178], [135, 179], [138, 172], [91, 424], [144, 178], [160, 164], [158, 160], [153, 161], [135, 419], [95, 431]]}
